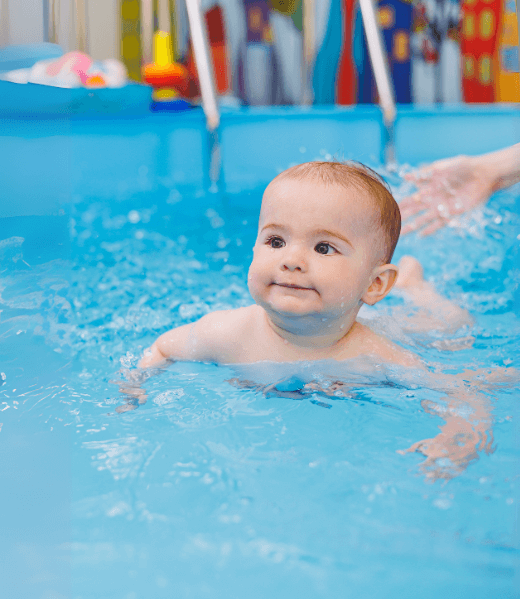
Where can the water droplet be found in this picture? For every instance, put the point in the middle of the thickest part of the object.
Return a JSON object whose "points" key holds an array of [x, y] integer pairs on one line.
{"points": [[134, 216]]}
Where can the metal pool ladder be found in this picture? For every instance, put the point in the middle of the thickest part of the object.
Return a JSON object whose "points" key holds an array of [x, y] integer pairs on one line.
{"points": [[208, 93], [378, 60], [376, 51]]}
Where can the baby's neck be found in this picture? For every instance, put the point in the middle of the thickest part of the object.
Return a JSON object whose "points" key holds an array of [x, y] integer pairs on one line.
{"points": [[313, 337]]}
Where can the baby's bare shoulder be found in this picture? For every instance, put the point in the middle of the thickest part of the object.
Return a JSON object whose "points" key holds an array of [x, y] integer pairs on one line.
{"points": [[372, 343], [225, 333], [213, 338], [228, 322]]}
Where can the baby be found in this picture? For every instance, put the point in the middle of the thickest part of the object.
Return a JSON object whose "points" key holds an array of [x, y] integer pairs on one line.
{"points": [[326, 236]]}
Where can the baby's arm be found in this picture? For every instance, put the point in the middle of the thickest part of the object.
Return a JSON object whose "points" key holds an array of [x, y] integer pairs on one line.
{"points": [[197, 341], [466, 431], [217, 337], [173, 345], [200, 341]]}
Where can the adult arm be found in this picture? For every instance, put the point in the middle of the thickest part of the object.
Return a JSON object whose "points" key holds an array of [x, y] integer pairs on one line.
{"points": [[451, 187]]}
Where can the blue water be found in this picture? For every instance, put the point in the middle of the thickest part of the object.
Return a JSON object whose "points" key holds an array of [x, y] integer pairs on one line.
{"points": [[212, 489]]}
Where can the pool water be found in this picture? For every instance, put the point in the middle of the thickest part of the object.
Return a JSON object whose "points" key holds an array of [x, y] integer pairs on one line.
{"points": [[219, 489]]}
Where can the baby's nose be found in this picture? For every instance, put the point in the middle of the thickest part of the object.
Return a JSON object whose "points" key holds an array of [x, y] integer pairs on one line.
{"points": [[293, 259]]}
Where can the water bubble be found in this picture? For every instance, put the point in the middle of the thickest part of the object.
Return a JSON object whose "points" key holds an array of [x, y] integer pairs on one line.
{"points": [[127, 360], [3, 377], [162, 582], [442, 503], [134, 216], [174, 197]]}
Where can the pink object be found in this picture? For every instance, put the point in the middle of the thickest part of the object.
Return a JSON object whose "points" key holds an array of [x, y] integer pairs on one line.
{"points": [[74, 62]]}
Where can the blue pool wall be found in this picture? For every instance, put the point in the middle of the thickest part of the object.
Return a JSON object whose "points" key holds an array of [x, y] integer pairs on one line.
{"points": [[48, 162]]}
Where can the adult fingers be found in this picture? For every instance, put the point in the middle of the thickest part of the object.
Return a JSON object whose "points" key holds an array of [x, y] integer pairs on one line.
{"points": [[421, 221], [420, 175], [434, 226], [412, 205]]}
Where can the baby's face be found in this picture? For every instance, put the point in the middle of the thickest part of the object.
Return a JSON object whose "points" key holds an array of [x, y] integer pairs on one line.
{"points": [[316, 249]]}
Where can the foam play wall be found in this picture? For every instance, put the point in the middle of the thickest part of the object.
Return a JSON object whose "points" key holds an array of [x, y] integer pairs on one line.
{"points": [[490, 51], [438, 50], [131, 53], [435, 50], [506, 64]]}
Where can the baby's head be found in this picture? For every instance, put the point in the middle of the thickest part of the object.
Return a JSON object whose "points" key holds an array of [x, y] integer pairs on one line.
{"points": [[369, 187], [326, 235]]}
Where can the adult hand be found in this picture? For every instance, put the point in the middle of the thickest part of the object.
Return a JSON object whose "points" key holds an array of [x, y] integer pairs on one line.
{"points": [[445, 189]]}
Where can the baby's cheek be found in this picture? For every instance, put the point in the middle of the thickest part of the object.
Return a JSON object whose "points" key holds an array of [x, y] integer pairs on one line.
{"points": [[255, 279], [252, 282]]}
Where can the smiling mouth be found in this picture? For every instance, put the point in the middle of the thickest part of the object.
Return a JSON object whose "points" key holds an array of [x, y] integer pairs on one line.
{"points": [[289, 286]]}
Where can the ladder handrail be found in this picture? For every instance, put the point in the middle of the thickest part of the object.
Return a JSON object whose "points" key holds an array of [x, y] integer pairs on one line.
{"points": [[379, 61], [199, 39]]}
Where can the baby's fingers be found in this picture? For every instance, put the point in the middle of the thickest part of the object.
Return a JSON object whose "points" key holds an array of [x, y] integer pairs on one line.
{"points": [[416, 447], [488, 447], [127, 407]]}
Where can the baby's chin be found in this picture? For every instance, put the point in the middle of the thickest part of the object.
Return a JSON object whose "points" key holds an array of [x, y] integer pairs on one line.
{"points": [[290, 306]]}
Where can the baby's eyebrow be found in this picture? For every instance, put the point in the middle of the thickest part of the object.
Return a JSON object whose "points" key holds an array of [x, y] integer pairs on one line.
{"points": [[328, 233], [273, 226]]}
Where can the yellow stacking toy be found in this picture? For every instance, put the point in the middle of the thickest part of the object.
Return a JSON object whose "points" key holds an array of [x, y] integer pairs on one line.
{"points": [[165, 76]]}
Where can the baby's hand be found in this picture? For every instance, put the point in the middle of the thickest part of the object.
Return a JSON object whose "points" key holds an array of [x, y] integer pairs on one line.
{"points": [[451, 451], [131, 389], [445, 189]]}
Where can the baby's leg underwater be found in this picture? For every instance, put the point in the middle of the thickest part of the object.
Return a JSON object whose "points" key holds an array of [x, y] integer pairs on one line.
{"points": [[434, 311]]}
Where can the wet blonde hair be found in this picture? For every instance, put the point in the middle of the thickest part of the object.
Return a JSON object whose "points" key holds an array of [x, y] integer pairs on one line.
{"points": [[354, 174]]}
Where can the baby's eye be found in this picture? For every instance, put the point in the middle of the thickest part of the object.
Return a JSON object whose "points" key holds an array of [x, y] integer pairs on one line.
{"points": [[276, 242], [324, 248]]}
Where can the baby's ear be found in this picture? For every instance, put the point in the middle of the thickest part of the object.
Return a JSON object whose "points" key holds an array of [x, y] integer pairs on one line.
{"points": [[384, 278]]}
